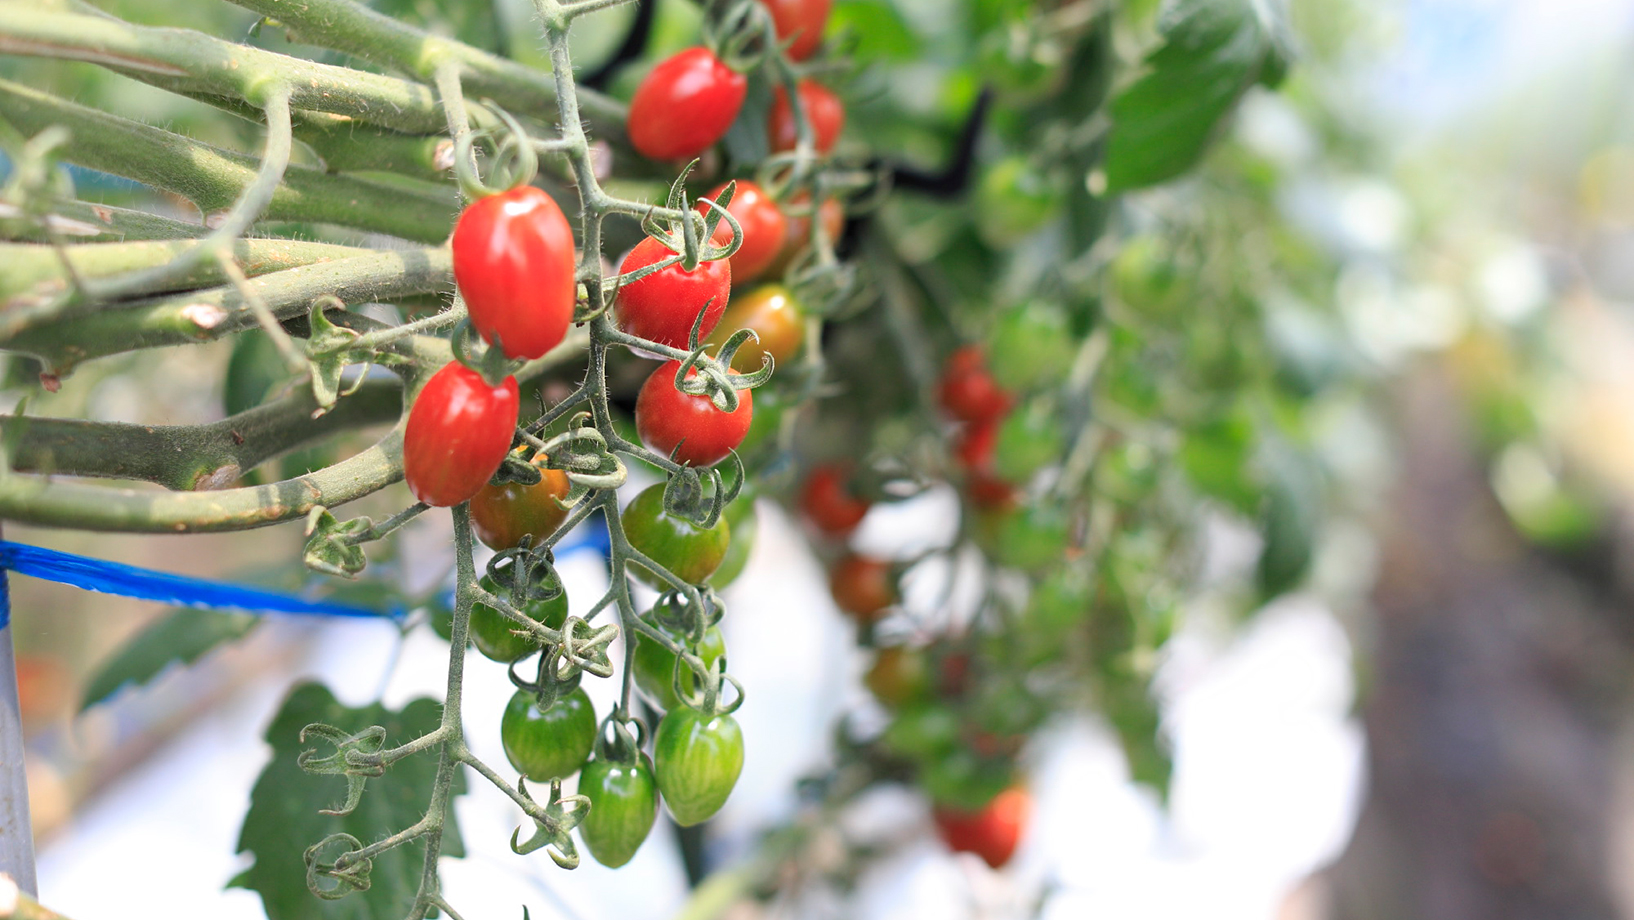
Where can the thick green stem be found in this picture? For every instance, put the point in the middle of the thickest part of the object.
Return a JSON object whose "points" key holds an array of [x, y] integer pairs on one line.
{"points": [[356, 29], [208, 315], [87, 222], [34, 272], [55, 503], [193, 456], [214, 179], [192, 62]]}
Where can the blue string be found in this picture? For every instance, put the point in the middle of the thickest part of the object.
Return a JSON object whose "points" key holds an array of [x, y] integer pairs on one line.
{"points": [[181, 590]]}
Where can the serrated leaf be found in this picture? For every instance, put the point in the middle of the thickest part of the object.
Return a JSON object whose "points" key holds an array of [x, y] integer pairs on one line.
{"points": [[1212, 52], [182, 636], [284, 819]]}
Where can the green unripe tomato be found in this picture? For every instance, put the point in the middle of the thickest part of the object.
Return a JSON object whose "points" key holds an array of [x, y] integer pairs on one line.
{"points": [[697, 758], [549, 743], [1148, 281], [1032, 346], [655, 666], [623, 805], [1028, 440], [740, 515], [493, 633], [677, 544], [1014, 201]]}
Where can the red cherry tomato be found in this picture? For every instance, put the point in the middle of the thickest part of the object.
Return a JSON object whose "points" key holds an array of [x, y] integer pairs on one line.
{"points": [[457, 434], [514, 264], [803, 19], [685, 426], [968, 392], [777, 319], [503, 515], [990, 493], [663, 305], [862, 587], [991, 832], [762, 223], [823, 109], [976, 443], [829, 504], [685, 105]]}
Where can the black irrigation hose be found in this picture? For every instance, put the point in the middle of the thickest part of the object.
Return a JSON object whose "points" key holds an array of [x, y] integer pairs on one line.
{"points": [[634, 45], [953, 179]]}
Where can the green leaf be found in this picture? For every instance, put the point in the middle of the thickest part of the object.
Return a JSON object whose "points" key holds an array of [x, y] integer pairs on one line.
{"points": [[1212, 52], [285, 820], [181, 636], [1291, 519], [878, 29]]}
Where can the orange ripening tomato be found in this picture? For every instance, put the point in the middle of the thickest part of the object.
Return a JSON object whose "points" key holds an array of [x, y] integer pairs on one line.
{"points": [[993, 832]]}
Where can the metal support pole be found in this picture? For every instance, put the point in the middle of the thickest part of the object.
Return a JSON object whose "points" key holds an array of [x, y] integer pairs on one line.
{"points": [[16, 833]]}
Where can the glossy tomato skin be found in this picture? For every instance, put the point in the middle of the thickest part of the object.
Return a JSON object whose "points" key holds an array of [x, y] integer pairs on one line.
{"points": [[458, 433], [1032, 346], [550, 743], [741, 515], [623, 805], [685, 105], [775, 315], [493, 633], [685, 426], [992, 832], [514, 265], [697, 758], [762, 224], [503, 515], [828, 503], [862, 587], [663, 305], [803, 19], [967, 391], [976, 444], [655, 665], [823, 108], [689, 551]]}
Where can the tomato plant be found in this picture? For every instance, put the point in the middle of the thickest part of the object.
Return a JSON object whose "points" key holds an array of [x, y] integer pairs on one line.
{"points": [[685, 105], [1031, 346], [548, 742], [656, 666], [689, 427], [828, 503], [502, 515], [801, 20], [778, 320], [697, 757], [862, 586], [762, 224], [993, 832], [823, 108], [494, 634], [691, 552], [457, 435], [514, 264], [664, 305]]}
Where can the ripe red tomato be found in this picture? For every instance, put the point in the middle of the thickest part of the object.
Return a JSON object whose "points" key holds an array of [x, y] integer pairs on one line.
{"points": [[503, 515], [828, 502], [685, 105], [514, 264], [458, 433], [968, 392], [775, 316], [803, 19], [976, 443], [663, 305], [762, 223], [991, 832], [685, 426], [990, 493], [823, 109], [862, 587]]}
